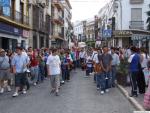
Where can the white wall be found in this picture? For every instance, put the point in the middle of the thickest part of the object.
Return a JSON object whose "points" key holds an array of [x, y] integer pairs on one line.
{"points": [[17, 4], [126, 13], [78, 28]]}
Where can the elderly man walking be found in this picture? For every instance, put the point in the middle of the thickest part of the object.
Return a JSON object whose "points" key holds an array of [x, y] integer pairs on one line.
{"points": [[4, 70]]}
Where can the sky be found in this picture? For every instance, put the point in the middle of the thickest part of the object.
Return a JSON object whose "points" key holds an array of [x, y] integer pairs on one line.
{"points": [[85, 9]]}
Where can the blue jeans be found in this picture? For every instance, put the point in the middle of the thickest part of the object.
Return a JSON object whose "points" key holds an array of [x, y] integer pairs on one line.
{"points": [[105, 80], [41, 73], [35, 73], [88, 70], [98, 80], [65, 74], [74, 64], [78, 63]]}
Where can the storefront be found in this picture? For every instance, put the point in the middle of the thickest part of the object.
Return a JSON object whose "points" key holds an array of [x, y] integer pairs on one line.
{"points": [[137, 38], [9, 36]]}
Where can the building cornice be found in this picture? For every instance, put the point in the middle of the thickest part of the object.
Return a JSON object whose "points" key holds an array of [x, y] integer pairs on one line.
{"points": [[14, 23]]}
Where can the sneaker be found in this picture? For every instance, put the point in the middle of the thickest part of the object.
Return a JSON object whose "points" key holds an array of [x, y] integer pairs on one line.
{"points": [[98, 88], [8, 88], [28, 71], [52, 91], [107, 90], [102, 92], [15, 94], [133, 95], [62, 82], [57, 94], [2, 90], [34, 84], [24, 91]]}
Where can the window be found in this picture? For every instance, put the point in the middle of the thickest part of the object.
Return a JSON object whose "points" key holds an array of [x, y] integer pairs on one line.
{"points": [[136, 1], [136, 14]]}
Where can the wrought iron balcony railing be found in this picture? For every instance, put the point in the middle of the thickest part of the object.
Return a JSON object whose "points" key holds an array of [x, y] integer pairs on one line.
{"points": [[136, 24], [13, 15]]}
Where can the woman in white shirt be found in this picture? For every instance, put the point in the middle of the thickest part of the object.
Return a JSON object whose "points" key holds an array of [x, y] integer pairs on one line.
{"points": [[144, 58]]}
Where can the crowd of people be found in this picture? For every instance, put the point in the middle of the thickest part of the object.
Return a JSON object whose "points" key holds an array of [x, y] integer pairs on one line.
{"points": [[104, 62], [24, 68], [32, 66]]}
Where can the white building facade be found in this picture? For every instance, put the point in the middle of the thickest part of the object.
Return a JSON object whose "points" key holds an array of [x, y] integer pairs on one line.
{"points": [[67, 28], [128, 17], [130, 22], [78, 30]]}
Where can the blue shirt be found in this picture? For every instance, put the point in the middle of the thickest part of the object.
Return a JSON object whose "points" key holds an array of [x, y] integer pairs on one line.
{"points": [[134, 65], [19, 61]]}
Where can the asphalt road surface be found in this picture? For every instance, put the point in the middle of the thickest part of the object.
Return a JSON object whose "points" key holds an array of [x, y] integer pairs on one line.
{"points": [[77, 96]]}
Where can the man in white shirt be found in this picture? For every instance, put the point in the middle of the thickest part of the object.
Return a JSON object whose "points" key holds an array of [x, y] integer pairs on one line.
{"points": [[54, 70]]}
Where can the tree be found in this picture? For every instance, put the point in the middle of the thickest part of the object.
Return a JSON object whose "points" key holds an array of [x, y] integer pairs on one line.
{"points": [[148, 20]]}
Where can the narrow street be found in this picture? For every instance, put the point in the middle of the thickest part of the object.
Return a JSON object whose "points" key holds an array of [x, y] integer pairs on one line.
{"points": [[77, 96]]}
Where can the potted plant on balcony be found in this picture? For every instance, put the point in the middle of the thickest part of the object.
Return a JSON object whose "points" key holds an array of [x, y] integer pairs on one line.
{"points": [[122, 73]]}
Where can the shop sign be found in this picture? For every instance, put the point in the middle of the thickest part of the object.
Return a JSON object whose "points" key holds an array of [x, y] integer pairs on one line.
{"points": [[5, 28], [140, 37], [25, 34], [122, 33]]}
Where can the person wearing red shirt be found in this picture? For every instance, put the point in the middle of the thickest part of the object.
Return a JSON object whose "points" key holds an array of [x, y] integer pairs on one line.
{"points": [[34, 64]]}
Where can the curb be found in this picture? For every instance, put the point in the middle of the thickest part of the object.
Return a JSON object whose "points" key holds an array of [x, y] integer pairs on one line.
{"points": [[133, 101]]}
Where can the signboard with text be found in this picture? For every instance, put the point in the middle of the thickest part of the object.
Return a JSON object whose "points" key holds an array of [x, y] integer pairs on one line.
{"points": [[5, 28]]}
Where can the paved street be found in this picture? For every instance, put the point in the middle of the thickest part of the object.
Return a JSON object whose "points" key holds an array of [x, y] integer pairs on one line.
{"points": [[77, 96]]}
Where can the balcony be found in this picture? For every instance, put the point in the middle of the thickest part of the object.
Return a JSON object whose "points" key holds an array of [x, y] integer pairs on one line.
{"points": [[56, 35], [57, 19], [57, 4], [8, 15], [136, 1], [137, 25]]}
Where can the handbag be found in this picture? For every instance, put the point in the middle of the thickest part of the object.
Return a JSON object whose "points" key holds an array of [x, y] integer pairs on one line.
{"points": [[97, 68]]}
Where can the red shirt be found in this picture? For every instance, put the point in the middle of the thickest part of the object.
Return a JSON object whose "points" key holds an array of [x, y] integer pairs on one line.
{"points": [[34, 61]]}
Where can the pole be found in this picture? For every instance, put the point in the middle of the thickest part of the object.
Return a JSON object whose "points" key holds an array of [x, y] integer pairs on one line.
{"points": [[121, 12]]}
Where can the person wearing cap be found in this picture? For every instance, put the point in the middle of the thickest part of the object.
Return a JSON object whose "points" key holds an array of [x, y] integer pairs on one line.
{"points": [[4, 70], [19, 64]]}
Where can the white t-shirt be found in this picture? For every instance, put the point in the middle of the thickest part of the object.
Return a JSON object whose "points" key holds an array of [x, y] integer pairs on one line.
{"points": [[130, 58], [82, 54], [54, 64], [145, 60], [95, 57]]}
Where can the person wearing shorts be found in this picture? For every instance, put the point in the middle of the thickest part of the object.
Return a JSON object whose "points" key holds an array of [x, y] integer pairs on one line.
{"points": [[19, 64], [4, 71], [54, 70]]}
